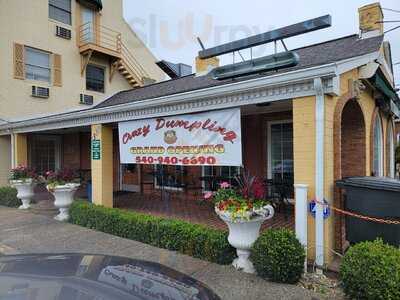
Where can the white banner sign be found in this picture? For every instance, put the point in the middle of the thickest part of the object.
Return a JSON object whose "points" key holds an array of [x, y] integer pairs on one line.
{"points": [[211, 138]]}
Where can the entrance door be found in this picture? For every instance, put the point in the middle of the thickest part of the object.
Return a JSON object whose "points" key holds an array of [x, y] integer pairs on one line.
{"points": [[280, 151], [88, 21], [130, 178]]}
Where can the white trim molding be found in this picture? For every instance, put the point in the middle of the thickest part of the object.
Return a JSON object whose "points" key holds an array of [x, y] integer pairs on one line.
{"points": [[281, 86]]}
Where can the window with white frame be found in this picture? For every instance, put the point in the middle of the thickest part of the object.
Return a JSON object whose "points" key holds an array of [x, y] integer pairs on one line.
{"points": [[390, 138], [60, 10], [280, 151], [378, 147], [37, 65]]}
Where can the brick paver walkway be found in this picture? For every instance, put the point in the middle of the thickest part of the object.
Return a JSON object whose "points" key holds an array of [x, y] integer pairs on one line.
{"points": [[189, 210]]}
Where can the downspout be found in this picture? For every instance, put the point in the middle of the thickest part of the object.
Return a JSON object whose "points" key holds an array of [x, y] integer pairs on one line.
{"points": [[319, 171]]}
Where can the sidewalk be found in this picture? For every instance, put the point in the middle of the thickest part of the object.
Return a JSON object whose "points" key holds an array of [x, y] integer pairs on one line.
{"points": [[24, 232]]}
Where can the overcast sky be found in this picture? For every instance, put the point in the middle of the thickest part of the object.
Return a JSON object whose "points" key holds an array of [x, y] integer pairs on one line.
{"points": [[169, 27]]}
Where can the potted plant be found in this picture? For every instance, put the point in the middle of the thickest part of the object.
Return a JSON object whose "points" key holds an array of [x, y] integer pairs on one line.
{"points": [[23, 179], [62, 184], [243, 210]]}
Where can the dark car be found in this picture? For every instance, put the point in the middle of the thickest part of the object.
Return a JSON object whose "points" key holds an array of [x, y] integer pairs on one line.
{"points": [[94, 277]]}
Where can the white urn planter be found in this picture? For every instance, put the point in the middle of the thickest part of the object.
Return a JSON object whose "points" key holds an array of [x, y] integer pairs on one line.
{"points": [[24, 191], [243, 232], [64, 196]]}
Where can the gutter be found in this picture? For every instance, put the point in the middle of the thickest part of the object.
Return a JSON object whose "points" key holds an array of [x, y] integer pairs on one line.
{"points": [[319, 171]]}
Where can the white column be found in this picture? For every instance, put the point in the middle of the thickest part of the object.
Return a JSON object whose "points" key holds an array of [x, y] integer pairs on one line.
{"points": [[301, 209], [319, 171]]}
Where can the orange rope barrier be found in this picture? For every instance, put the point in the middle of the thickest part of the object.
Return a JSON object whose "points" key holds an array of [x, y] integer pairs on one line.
{"points": [[366, 218]]}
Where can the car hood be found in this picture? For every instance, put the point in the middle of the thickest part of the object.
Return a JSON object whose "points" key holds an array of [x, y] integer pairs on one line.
{"points": [[87, 276]]}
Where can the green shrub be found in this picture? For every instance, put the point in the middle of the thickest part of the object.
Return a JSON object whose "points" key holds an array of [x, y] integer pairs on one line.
{"points": [[8, 197], [278, 255], [371, 270], [191, 239]]}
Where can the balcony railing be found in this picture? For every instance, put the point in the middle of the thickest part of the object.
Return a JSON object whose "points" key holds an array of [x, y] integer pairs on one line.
{"points": [[109, 41]]}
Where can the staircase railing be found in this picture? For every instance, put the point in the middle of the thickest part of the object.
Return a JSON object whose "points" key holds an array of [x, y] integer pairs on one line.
{"points": [[133, 63], [110, 39]]}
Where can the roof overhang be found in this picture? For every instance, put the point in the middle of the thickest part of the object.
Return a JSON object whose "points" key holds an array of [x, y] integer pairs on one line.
{"points": [[281, 86]]}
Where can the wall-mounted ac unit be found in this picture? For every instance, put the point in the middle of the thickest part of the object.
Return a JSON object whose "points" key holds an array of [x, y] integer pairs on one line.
{"points": [[63, 32], [86, 99], [40, 92]]}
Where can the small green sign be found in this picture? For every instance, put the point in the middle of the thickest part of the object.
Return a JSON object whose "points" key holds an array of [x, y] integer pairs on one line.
{"points": [[96, 150]]}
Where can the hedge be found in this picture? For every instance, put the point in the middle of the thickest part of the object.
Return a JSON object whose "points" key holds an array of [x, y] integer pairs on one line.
{"points": [[191, 239], [277, 255], [371, 270], [8, 197]]}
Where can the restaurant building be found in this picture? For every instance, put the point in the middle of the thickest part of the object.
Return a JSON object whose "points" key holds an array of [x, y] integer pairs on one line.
{"points": [[328, 117]]}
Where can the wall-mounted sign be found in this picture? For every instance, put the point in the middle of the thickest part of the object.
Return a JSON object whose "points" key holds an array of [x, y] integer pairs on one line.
{"points": [[96, 149], [211, 138], [313, 209]]}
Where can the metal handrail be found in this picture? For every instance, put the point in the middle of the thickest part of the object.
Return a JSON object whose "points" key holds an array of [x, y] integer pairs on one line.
{"points": [[110, 39]]}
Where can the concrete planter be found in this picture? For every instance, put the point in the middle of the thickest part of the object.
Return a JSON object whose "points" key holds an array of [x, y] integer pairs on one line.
{"points": [[64, 196], [243, 233], [25, 191]]}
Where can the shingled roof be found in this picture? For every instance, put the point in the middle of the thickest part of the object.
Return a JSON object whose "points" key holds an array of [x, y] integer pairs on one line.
{"points": [[310, 56]]}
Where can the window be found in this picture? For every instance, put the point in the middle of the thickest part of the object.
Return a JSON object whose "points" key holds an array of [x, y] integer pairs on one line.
{"points": [[60, 10], [280, 151], [390, 139], [44, 153], [95, 78], [169, 176], [37, 65], [378, 148], [212, 175]]}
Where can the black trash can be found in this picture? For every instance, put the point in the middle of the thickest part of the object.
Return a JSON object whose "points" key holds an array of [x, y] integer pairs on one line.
{"points": [[377, 197]]}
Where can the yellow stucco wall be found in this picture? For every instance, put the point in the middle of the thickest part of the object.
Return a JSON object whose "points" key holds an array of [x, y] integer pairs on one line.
{"points": [[27, 22], [5, 159], [21, 149], [102, 169], [304, 155]]}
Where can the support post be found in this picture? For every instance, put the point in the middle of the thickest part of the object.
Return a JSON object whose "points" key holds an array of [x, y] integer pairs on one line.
{"points": [[102, 165], [20, 147], [301, 208], [319, 171]]}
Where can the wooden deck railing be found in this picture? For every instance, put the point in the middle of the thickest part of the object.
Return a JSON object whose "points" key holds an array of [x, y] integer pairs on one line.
{"points": [[110, 40]]}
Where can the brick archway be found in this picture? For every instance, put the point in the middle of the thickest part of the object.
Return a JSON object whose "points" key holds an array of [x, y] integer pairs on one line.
{"points": [[349, 153]]}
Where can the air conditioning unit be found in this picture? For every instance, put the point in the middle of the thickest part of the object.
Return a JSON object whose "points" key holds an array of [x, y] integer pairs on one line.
{"points": [[86, 99], [63, 32], [40, 92]]}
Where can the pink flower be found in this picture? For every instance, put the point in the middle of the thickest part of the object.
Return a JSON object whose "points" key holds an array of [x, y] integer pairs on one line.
{"points": [[208, 195], [225, 185]]}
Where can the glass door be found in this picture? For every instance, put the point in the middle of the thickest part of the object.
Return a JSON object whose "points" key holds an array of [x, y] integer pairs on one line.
{"points": [[88, 30], [280, 151]]}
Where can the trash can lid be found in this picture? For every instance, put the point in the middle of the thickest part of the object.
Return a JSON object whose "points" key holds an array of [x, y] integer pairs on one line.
{"points": [[375, 183]]}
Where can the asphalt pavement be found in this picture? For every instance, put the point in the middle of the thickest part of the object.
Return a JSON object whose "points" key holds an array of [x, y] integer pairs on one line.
{"points": [[23, 232]]}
